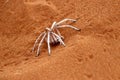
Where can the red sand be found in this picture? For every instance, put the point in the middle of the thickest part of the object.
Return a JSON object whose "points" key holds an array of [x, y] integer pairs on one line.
{"points": [[92, 54]]}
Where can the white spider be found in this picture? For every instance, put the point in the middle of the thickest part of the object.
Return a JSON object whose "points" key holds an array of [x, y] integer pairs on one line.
{"points": [[52, 35]]}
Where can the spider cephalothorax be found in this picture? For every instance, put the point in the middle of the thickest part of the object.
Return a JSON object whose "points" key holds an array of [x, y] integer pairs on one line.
{"points": [[52, 35]]}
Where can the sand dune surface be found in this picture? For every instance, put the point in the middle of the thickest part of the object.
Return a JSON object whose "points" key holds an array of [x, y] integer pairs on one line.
{"points": [[90, 54]]}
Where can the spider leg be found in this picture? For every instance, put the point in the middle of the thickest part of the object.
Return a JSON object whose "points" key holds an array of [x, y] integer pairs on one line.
{"points": [[64, 20], [53, 25], [37, 41], [59, 38], [54, 38], [48, 42], [51, 39], [58, 32], [69, 26], [38, 50]]}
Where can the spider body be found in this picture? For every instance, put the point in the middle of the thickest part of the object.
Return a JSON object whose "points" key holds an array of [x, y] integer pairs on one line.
{"points": [[53, 39], [52, 36]]}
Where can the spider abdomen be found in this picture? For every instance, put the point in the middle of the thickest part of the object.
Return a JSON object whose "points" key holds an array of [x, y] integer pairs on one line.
{"points": [[54, 40]]}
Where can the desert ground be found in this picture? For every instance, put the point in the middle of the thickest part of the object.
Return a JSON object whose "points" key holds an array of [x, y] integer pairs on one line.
{"points": [[90, 54]]}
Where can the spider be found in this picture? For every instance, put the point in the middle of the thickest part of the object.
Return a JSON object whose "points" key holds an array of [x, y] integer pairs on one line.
{"points": [[52, 36]]}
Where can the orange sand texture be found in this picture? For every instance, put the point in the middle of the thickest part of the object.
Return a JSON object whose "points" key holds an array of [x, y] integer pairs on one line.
{"points": [[92, 54]]}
